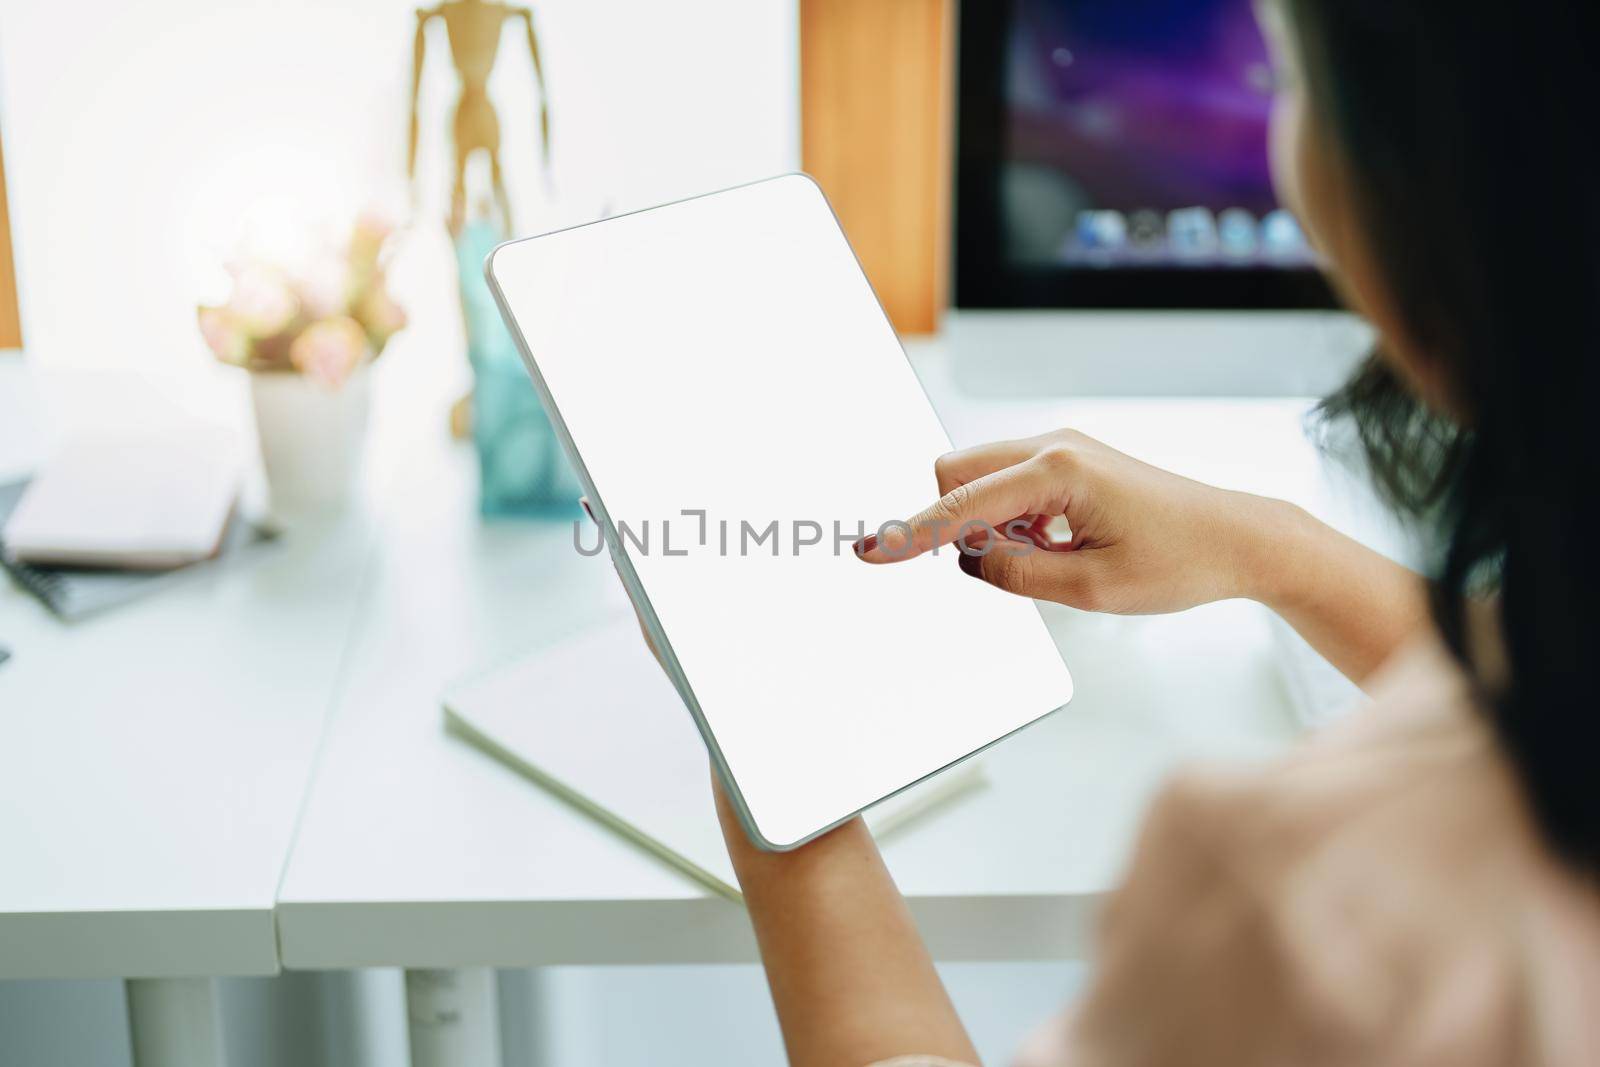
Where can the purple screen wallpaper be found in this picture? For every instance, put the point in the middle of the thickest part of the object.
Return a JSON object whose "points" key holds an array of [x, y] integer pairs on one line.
{"points": [[1137, 136]]}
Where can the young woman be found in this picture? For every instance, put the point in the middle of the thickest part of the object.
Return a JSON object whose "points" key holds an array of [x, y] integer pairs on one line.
{"points": [[1416, 885]]}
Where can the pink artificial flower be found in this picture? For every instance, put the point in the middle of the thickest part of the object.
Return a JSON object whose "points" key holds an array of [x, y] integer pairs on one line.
{"points": [[223, 335], [262, 301], [330, 350], [324, 288]]}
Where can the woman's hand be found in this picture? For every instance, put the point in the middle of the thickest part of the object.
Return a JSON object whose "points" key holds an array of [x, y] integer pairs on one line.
{"points": [[1141, 540]]}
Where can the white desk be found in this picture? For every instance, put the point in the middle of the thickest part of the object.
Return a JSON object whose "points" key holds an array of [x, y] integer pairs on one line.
{"points": [[418, 851], [153, 762], [153, 759], [152, 765]]}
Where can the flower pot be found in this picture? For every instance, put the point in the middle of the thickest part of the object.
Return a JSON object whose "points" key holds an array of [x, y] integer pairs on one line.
{"points": [[312, 437]]}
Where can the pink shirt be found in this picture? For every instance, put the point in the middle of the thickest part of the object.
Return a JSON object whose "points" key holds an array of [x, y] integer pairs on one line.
{"points": [[1380, 897]]}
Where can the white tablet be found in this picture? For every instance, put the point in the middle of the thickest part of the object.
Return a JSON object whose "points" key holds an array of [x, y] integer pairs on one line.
{"points": [[740, 411]]}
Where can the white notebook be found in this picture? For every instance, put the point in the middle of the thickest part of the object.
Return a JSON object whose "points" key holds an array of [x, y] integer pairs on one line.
{"points": [[142, 503], [596, 722]]}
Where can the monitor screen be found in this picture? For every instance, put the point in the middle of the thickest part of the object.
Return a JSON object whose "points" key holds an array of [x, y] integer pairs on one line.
{"points": [[1114, 153]]}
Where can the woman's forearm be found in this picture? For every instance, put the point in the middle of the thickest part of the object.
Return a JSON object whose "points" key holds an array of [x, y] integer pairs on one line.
{"points": [[1351, 604], [850, 977]]}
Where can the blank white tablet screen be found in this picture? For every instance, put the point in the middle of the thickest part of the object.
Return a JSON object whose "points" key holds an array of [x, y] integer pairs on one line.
{"points": [[726, 355]]}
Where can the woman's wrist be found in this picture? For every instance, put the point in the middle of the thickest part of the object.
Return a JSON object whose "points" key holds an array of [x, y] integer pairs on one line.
{"points": [[850, 978], [753, 864], [1350, 603], [1271, 539]]}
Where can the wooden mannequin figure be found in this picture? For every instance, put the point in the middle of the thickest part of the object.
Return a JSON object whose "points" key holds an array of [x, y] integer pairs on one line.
{"points": [[474, 28]]}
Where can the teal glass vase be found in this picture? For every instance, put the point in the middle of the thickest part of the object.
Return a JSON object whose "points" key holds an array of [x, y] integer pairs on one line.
{"points": [[522, 470]]}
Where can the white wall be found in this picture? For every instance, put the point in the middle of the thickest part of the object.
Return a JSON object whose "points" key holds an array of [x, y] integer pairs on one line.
{"points": [[143, 139]]}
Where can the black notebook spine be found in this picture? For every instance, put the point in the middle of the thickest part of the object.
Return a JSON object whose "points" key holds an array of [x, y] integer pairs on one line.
{"points": [[48, 587]]}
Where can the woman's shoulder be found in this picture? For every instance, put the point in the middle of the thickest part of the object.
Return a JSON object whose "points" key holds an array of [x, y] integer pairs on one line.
{"points": [[1417, 761], [1374, 888]]}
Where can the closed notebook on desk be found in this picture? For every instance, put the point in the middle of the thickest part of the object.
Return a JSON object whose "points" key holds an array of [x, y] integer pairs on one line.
{"points": [[152, 502], [594, 721], [73, 593]]}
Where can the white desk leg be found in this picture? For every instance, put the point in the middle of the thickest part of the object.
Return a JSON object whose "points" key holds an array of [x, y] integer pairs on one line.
{"points": [[174, 1022], [453, 1016]]}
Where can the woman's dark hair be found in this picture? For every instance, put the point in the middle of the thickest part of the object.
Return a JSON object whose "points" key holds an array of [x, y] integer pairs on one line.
{"points": [[1468, 137]]}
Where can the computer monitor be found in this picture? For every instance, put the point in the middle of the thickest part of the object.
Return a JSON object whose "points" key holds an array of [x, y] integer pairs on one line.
{"points": [[1113, 154], [1116, 231]]}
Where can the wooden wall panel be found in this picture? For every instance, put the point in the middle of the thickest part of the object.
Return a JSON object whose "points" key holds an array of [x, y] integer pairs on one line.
{"points": [[874, 132], [10, 316]]}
